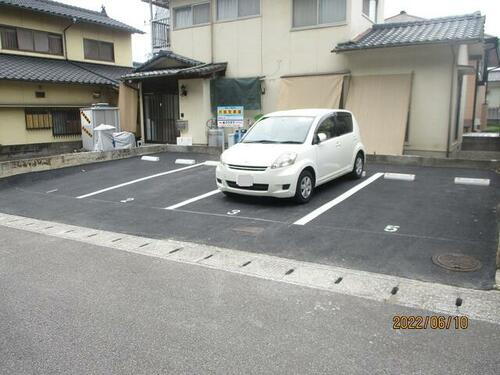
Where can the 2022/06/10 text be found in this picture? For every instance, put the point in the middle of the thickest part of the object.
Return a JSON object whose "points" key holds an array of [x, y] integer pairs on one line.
{"points": [[430, 322]]}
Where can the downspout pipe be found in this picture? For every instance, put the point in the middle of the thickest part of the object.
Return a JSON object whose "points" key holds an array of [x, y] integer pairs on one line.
{"points": [[450, 111], [74, 20], [474, 105]]}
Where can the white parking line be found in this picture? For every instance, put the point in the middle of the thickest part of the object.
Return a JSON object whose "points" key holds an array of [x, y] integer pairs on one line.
{"points": [[138, 180], [320, 210], [188, 201], [472, 181]]}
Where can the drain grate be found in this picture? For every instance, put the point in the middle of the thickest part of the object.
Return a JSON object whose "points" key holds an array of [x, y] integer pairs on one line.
{"points": [[457, 262]]}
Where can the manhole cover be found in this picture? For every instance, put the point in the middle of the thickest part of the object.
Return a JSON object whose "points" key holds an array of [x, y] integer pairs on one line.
{"points": [[457, 262]]}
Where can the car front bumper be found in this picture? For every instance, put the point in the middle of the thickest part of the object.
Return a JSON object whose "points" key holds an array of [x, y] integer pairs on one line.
{"points": [[279, 183]]}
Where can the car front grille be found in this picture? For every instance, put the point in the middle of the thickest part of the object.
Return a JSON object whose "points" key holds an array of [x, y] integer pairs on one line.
{"points": [[255, 187], [247, 168]]}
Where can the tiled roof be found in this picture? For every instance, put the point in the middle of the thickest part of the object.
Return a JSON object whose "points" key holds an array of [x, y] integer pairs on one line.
{"points": [[182, 61], [68, 11], [39, 69], [437, 30], [194, 71]]}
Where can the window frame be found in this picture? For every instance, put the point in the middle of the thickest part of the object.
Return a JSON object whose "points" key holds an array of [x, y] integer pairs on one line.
{"points": [[374, 19], [320, 25], [238, 18], [191, 6], [346, 114], [48, 34], [321, 122], [99, 58], [52, 113]]}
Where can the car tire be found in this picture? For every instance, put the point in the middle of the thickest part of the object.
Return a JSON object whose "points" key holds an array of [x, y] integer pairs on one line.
{"points": [[359, 167], [305, 187]]}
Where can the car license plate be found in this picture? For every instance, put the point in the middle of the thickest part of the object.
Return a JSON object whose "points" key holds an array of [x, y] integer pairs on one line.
{"points": [[244, 180]]}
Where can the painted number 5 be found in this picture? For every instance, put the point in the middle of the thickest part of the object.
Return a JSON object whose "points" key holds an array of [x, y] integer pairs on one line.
{"points": [[391, 228]]}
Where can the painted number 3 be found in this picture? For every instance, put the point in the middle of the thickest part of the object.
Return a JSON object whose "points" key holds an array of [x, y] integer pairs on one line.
{"points": [[391, 228]]}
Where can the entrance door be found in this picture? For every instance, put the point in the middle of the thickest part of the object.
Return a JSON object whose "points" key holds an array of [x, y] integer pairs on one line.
{"points": [[161, 111]]}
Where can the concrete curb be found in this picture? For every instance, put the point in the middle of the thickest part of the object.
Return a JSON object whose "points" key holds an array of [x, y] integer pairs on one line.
{"points": [[434, 162], [43, 163]]}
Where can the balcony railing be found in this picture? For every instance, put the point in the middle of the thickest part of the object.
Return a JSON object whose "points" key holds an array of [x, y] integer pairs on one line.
{"points": [[161, 34]]}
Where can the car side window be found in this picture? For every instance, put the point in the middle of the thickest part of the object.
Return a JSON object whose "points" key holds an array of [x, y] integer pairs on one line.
{"points": [[327, 127], [343, 124]]}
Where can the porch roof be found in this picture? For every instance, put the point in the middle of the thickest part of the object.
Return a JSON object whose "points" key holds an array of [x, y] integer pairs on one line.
{"points": [[199, 71]]}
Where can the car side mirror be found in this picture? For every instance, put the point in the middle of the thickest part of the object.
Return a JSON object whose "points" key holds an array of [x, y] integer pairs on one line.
{"points": [[321, 137]]}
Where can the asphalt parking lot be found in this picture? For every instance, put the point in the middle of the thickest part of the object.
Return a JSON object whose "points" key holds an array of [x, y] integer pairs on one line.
{"points": [[383, 225]]}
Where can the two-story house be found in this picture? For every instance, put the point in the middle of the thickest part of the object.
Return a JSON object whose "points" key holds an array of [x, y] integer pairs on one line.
{"points": [[403, 80], [54, 60]]}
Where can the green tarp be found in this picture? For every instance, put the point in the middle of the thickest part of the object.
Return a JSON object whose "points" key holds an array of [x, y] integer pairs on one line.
{"points": [[234, 92]]}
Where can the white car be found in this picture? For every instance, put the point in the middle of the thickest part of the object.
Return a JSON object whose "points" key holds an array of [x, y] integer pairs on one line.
{"points": [[287, 154]]}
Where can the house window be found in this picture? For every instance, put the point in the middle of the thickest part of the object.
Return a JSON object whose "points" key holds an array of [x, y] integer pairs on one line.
{"points": [[62, 121], [233, 9], [98, 50], [191, 15], [370, 9], [38, 119], [318, 12], [31, 40]]}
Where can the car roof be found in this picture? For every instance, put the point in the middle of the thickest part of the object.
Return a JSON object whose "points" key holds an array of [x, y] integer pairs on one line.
{"points": [[309, 112]]}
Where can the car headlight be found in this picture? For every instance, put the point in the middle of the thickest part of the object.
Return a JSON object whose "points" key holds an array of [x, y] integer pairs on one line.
{"points": [[284, 160]]}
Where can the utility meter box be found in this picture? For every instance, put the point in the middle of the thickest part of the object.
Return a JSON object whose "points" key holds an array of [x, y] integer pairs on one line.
{"points": [[92, 117]]}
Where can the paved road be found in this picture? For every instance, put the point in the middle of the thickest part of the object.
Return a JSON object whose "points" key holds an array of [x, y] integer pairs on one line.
{"points": [[69, 307], [433, 215]]}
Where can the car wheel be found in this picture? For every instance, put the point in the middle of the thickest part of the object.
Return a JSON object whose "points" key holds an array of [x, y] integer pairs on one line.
{"points": [[359, 166], [305, 187]]}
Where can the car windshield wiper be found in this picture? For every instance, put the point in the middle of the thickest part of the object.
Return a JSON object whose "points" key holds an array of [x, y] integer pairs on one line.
{"points": [[261, 141], [292, 142]]}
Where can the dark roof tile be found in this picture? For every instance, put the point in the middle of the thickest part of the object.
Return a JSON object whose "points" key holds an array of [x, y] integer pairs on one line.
{"points": [[193, 71], [68, 11], [437, 30], [40, 69]]}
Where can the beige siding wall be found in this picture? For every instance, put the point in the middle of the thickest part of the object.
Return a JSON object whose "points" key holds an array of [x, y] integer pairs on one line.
{"points": [[75, 34], [266, 46], [196, 108], [431, 67], [15, 96]]}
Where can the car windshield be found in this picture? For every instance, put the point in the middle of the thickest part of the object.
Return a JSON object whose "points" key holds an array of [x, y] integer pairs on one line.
{"points": [[282, 129]]}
